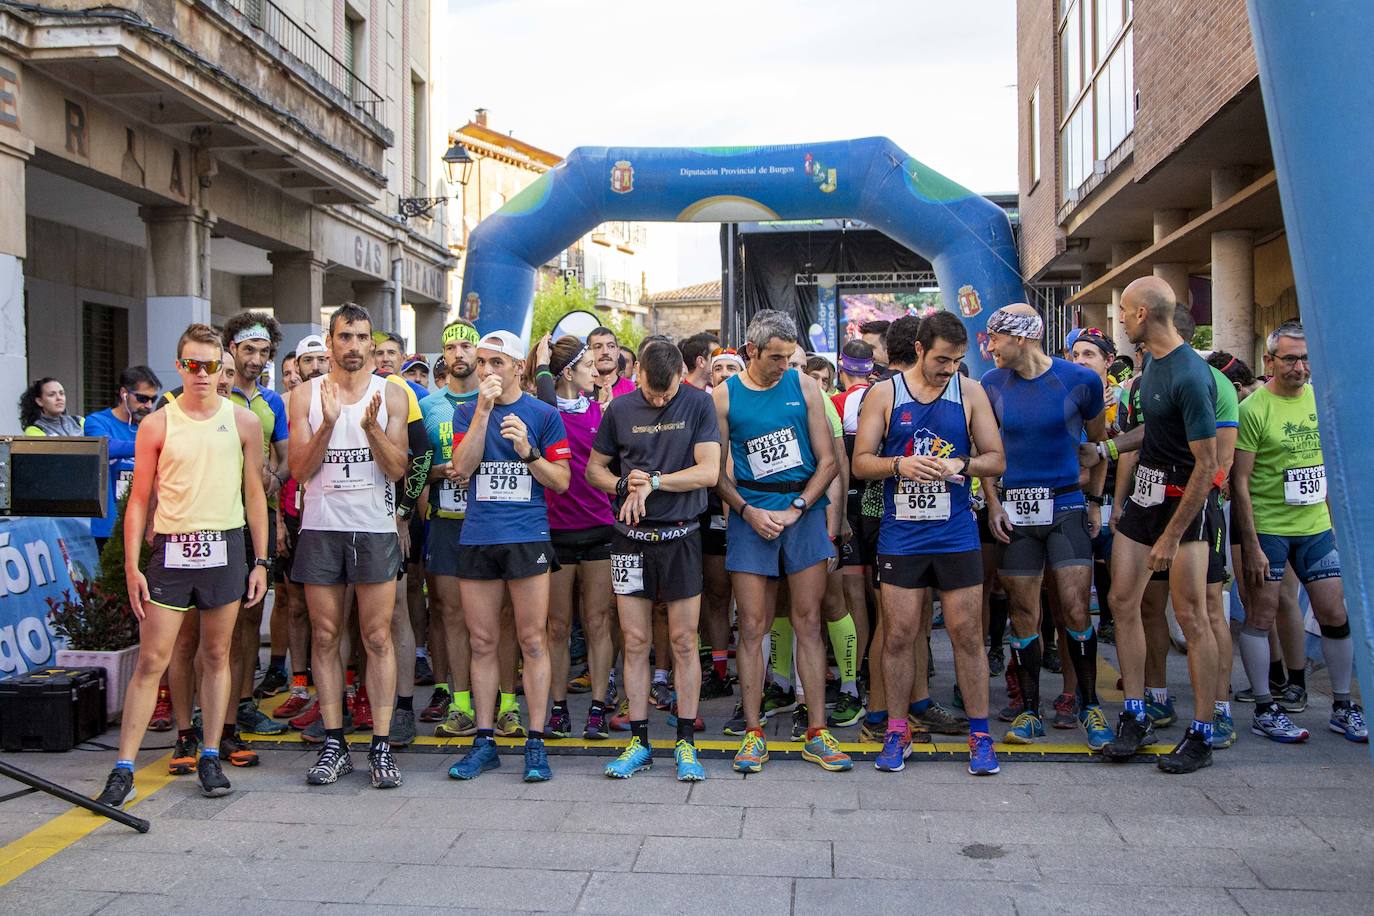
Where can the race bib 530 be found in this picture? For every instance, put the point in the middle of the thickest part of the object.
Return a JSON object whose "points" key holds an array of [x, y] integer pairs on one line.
{"points": [[1304, 486]]}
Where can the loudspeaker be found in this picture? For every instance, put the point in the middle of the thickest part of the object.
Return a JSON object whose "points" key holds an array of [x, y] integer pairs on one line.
{"points": [[54, 475]]}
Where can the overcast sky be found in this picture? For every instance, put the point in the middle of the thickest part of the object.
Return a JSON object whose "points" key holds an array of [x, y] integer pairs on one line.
{"points": [[936, 77]]}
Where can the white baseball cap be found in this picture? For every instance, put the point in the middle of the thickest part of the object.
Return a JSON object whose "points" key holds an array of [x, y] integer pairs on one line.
{"points": [[503, 342], [311, 343]]}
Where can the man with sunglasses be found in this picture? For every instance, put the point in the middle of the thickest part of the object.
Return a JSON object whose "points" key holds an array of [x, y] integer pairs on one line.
{"points": [[1283, 513], [138, 386], [200, 457]]}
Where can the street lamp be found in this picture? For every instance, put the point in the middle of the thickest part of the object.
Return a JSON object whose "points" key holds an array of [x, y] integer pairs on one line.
{"points": [[458, 165]]}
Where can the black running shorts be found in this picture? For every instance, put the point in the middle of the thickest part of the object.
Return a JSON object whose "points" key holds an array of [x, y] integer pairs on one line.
{"points": [[668, 570], [1061, 544], [207, 570], [944, 572], [506, 561]]}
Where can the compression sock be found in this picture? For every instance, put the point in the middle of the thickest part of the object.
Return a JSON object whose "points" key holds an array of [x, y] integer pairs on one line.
{"points": [[1339, 651], [1254, 658], [508, 702], [844, 640], [1082, 648], [719, 661], [1026, 651], [998, 608], [781, 661]]}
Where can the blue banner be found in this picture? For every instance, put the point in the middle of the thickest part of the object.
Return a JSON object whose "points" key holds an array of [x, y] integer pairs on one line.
{"points": [[39, 559]]}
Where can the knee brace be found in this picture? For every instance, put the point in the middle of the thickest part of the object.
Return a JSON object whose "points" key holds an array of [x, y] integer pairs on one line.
{"points": [[1339, 631]]}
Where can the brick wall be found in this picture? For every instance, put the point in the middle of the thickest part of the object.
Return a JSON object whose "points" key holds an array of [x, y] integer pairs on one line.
{"points": [[1035, 66], [1191, 58]]}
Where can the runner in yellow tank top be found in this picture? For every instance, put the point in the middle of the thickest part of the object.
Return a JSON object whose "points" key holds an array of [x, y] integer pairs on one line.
{"points": [[205, 455]]}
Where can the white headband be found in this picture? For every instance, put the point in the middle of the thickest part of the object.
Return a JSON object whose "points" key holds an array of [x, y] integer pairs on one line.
{"points": [[252, 332]]}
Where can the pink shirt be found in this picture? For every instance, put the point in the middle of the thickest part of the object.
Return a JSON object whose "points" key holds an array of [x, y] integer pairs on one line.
{"points": [[582, 506]]}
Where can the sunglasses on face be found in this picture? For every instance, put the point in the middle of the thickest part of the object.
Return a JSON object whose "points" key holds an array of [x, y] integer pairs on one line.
{"points": [[143, 398], [195, 366]]}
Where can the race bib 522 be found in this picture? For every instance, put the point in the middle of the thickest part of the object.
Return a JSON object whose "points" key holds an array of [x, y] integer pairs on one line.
{"points": [[775, 452]]}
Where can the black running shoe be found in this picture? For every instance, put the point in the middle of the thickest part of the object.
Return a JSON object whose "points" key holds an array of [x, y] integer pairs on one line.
{"points": [[1050, 661], [997, 662], [385, 774], [273, 682], [332, 763], [1188, 756], [713, 686], [210, 774], [119, 789], [1131, 735], [736, 725]]}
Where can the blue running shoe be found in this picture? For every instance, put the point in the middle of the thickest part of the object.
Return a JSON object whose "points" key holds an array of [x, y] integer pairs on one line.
{"points": [[896, 749], [481, 757], [1094, 722], [689, 768], [536, 761], [1161, 715], [633, 759], [1025, 728], [1223, 732], [982, 760], [1348, 719]]}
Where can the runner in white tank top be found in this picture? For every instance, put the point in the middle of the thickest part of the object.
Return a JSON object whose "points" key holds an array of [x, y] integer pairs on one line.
{"points": [[348, 447]]}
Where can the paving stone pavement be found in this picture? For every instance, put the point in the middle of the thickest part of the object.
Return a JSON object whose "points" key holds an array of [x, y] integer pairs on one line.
{"points": [[1268, 829]]}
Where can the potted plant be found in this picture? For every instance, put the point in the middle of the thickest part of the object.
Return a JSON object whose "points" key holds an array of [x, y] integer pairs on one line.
{"points": [[97, 625]]}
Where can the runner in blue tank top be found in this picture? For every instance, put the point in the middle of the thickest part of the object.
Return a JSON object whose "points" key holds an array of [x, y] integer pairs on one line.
{"points": [[927, 433], [1044, 405], [770, 416]]}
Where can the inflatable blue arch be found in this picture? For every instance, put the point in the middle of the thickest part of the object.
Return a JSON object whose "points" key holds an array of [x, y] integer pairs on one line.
{"points": [[967, 239]]}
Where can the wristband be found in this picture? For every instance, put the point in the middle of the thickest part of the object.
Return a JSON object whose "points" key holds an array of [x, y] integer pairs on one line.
{"points": [[622, 487], [896, 463], [541, 372], [1112, 450]]}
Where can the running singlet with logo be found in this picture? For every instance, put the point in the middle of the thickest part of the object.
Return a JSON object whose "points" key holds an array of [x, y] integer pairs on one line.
{"points": [[770, 441], [199, 473], [349, 492], [1288, 486], [505, 502], [1042, 423], [446, 499], [1178, 398], [121, 438], [924, 518], [649, 438]]}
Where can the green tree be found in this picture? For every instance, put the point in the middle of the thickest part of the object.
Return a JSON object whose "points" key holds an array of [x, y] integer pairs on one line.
{"points": [[559, 298], [1202, 337]]}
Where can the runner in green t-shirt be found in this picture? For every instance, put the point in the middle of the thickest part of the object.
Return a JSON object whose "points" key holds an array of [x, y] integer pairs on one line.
{"points": [[1279, 487]]}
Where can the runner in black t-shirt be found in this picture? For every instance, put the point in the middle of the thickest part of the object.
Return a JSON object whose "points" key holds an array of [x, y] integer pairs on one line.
{"points": [[665, 437]]}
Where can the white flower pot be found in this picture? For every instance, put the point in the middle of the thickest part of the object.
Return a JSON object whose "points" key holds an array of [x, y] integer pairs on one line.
{"points": [[119, 669]]}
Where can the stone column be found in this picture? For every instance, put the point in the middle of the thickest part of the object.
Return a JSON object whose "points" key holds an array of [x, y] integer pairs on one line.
{"points": [[1166, 223], [178, 256], [1121, 253], [297, 295], [1233, 275], [376, 296], [1095, 314], [429, 327], [14, 360]]}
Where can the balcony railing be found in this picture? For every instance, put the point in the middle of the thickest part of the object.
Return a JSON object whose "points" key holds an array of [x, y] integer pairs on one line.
{"points": [[284, 30]]}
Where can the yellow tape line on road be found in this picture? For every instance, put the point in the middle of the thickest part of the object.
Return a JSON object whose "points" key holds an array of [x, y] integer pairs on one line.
{"points": [[44, 842]]}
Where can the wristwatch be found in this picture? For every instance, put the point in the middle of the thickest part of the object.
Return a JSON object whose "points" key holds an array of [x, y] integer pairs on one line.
{"points": [[264, 563], [799, 504], [655, 480], [533, 456], [963, 468]]}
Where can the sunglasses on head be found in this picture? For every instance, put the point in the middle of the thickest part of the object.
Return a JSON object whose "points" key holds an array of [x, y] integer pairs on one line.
{"points": [[194, 366], [724, 351]]}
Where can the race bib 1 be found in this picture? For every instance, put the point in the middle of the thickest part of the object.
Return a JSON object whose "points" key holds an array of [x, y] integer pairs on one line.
{"points": [[921, 502], [775, 452], [122, 484], [503, 482], [199, 550], [627, 573], [453, 497], [347, 469], [1149, 487], [1304, 486], [1027, 506]]}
